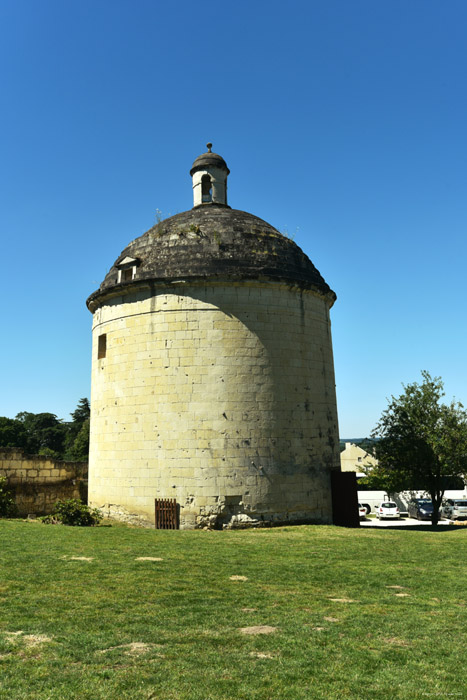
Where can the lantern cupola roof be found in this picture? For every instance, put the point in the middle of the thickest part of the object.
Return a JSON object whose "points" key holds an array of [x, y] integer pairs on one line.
{"points": [[209, 159]]}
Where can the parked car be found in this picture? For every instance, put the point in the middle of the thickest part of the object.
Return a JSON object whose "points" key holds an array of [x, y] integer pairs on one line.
{"points": [[454, 509], [361, 511], [420, 508], [387, 509]]}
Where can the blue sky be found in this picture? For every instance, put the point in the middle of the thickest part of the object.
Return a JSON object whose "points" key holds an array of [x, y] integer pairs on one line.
{"points": [[343, 122]]}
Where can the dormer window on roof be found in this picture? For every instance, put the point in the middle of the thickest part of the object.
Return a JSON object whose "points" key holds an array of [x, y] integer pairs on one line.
{"points": [[126, 269]]}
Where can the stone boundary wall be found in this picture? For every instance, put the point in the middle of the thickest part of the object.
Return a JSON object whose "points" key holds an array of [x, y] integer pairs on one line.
{"points": [[38, 482]]}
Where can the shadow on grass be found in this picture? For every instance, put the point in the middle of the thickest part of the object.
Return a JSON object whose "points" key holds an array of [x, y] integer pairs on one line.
{"points": [[426, 527]]}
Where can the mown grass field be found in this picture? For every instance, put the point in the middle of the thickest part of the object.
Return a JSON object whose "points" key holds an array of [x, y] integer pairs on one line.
{"points": [[366, 613]]}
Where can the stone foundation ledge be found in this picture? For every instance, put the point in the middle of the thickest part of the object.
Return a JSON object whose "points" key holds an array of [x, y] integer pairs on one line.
{"points": [[244, 520], [214, 521], [117, 512]]}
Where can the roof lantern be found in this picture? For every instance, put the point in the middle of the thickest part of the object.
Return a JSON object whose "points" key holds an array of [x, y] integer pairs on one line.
{"points": [[209, 173]]}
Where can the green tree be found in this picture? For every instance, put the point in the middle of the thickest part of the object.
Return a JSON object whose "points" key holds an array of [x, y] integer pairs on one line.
{"points": [[81, 412], [46, 434], [12, 433], [77, 443], [79, 450], [422, 443]]}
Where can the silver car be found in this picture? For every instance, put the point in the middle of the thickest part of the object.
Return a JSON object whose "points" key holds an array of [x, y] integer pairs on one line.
{"points": [[454, 509]]}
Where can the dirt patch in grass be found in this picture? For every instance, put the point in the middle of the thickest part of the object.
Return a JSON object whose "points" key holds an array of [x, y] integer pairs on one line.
{"points": [[262, 655], [131, 649], [12, 636], [149, 559], [24, 642], [402, 595], [238, 578], [398, 587], [343, 600], [66, 557], [34, 640], [258, 629], [331, 619], [30, 640], [249, 609], [396, 642]]}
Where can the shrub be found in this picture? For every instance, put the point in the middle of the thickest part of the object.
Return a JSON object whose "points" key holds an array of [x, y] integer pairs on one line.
{"points": [[7, 503], [73, 512]]}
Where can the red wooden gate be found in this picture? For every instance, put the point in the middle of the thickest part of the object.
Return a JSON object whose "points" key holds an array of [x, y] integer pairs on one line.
{"points": [[166, 514]]}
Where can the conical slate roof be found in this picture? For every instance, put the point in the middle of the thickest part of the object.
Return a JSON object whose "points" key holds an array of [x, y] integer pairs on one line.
{"points": [[213, 243]]}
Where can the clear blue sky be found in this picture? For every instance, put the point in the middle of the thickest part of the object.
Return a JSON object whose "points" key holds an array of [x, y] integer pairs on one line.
{"points": [[343, 122]]}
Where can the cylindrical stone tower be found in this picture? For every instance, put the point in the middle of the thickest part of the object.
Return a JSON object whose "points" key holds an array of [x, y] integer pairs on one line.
{"points": [[212, 371]]}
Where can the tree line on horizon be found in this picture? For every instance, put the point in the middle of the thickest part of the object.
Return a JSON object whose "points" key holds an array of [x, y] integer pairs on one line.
{"points": [[46, 435]]}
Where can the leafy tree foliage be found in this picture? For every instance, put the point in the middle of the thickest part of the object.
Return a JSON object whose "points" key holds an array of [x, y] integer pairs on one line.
{"points": [[45, 434], [12, 433], [422, 442], [7, 502], [79, 449], [82, 412], [77, 445]]}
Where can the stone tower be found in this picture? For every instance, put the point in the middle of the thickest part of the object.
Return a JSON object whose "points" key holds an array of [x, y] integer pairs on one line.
{"points": [[212, 371]]}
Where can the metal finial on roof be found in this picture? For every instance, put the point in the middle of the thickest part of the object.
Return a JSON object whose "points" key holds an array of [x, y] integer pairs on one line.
{"points": [[209, 146]]}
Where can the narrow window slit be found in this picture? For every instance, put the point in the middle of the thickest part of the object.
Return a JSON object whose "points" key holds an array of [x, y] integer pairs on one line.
{"points": [[102, 346]]}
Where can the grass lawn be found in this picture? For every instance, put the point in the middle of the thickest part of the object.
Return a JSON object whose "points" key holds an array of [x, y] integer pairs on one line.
{"points": [[365, 613]]}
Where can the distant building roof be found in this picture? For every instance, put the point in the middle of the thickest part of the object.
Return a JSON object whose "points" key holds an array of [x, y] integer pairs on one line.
{"points": [[354, 458]]}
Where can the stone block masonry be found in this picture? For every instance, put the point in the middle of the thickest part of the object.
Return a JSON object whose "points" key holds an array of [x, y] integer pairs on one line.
{"points": [[39, 482], [221, 396]]}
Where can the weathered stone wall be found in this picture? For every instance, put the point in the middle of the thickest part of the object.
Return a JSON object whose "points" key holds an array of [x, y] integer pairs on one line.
{"points": [[38, 482], [221, 396]]}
